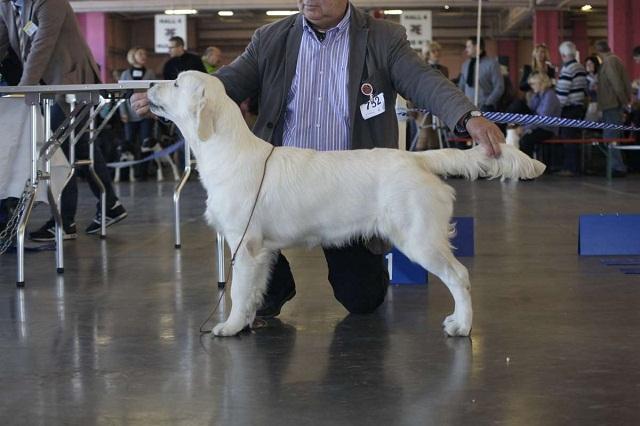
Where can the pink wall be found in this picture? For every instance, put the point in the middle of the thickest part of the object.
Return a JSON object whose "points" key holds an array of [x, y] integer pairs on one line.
{"points": [[509, 48], [94, 28], [547, 26], [624, 34]]}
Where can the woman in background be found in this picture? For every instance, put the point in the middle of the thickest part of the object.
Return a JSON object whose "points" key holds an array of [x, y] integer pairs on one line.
{"points": [[592, 65], [543, 102], [540, 63]]}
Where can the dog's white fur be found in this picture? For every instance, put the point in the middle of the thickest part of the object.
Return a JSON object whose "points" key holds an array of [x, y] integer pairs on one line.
{"points": [[322, 198]]}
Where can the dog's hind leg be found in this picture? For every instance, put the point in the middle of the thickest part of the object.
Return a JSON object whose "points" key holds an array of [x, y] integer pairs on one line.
{"points": [[434, 254], [249, 282]]}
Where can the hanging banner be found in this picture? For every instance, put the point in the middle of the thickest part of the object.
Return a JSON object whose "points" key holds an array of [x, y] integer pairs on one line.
{"points": [[168, 26], [418, 25]]}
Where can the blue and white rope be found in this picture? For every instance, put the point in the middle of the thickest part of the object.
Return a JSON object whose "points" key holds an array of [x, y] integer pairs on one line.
{"points": [[527, 119], [162, 153]]}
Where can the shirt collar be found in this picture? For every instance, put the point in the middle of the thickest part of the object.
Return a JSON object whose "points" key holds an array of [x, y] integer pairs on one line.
{"points": [[342, 25]]}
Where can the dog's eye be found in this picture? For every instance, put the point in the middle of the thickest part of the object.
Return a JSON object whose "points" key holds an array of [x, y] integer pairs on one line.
{"points": [[175, 84]]}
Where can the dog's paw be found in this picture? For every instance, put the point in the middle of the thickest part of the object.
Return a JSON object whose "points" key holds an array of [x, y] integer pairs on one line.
{"points": [[226, 329], [454, 325]]}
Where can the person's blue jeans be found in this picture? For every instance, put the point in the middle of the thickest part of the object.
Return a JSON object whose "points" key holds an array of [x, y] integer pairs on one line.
{"points": [[614, 116]]}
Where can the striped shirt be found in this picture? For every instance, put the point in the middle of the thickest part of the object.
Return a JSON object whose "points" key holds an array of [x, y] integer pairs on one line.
{"points": [[317, 114], [572, 84]]}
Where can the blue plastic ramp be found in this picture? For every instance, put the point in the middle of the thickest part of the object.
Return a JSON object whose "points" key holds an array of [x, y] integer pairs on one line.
{"points": [[609, 234], [403, 271]]}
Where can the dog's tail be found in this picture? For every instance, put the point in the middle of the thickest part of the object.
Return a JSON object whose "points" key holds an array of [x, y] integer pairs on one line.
{"points": [[473, 163]]}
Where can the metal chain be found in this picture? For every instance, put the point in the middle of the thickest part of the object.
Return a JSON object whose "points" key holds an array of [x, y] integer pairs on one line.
{"points": [[8, 234]]}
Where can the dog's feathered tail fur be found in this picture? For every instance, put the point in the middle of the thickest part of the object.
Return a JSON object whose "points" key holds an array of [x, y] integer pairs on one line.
{"points": [[474, 163]]}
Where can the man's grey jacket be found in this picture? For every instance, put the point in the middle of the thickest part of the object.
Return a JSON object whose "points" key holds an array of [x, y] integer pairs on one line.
{"points": [[57, 52], [379, 55], [490, 80]]}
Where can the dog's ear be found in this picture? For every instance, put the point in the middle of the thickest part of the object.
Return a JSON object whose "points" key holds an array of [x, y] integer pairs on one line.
{"points": [[204, 118]]}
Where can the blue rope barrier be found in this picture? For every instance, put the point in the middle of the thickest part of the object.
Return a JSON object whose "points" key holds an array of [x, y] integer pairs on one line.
{"points": [[528, 119], [162, 153]]}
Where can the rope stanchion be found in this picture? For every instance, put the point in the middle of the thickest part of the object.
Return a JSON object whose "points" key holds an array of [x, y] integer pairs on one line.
{"points": [[529, 119]]}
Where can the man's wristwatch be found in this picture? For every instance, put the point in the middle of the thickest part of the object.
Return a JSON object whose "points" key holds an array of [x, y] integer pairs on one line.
{"points": [[462, 124]]}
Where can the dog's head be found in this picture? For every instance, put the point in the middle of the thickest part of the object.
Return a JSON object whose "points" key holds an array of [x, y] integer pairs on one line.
{"points": [[189, 101]]}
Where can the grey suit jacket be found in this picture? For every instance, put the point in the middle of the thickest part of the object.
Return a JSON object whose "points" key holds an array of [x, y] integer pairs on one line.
{"points": [[379, 54], [57, 53], [490, 81]]}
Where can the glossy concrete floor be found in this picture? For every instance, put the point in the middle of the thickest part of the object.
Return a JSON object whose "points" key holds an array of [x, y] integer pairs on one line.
{"points": [[115, 340]]}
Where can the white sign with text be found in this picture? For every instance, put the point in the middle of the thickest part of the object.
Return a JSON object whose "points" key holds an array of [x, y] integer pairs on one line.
{"points": [[168, 26], [418, 24]]}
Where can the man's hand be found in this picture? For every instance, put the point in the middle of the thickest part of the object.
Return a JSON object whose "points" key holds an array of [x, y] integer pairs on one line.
{"points": [[486, 134], [140, 104]]}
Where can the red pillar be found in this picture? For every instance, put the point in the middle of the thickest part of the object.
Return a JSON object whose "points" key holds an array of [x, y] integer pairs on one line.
{"points": [[624, 34], [509, 48], [580, 38], [94, 28], [547, 29]]}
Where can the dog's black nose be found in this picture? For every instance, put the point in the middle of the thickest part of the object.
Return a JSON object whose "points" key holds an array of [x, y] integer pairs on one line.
{"points": [[152, 84]]}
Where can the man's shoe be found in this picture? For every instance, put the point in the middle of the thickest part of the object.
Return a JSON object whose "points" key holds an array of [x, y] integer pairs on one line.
{"points": [[114, 215], [48, 232], [272, 309]]}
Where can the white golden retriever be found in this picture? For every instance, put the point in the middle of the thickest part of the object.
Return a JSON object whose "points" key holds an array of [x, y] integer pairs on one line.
{"points": [[321, 198]]}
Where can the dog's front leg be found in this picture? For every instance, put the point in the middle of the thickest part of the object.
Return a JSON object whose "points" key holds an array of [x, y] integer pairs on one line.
{"points": [[249, 281]]}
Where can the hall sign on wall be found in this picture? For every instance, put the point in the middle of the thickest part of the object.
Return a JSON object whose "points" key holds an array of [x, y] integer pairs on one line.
{"points": [[418, 25], [168, 26]]}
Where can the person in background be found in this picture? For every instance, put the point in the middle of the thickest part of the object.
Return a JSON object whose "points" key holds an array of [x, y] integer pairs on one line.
{"points": [[180, 60], [431, 54], [543, 102], [571, 89], [541, 63], [137, 130], [427, 136], [613, 96], [490, 78], [55, 52], [211, 59], [592, 65]]}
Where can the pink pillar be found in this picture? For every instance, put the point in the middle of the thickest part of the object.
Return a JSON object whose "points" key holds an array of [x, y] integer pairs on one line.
{"points": [[547, 29], [509, 48], [94, 28], [580, 37], [624, 33]]}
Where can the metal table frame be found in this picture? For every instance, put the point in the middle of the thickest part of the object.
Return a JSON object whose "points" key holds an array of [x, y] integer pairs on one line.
{"points": [[90, 99]]}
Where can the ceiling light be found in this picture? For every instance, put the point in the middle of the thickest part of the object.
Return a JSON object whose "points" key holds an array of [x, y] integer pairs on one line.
{"points": [[225, 13], [281, 12], [447, 7], [586, 8], [180, 12], [393, 12]]}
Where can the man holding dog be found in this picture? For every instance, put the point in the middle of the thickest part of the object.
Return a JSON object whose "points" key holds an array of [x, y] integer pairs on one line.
{"points": [[327, 79]]}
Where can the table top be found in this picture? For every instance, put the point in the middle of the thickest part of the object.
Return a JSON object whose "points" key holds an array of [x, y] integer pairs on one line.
{"points": [[79, 88]]}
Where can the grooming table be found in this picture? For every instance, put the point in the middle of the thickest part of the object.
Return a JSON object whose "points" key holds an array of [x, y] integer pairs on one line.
{"points": [[87, 100]]}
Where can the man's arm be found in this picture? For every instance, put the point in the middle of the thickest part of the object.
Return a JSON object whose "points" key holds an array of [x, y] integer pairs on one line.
{"points": [[241, 77], [51, 15], [497, 82]]}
